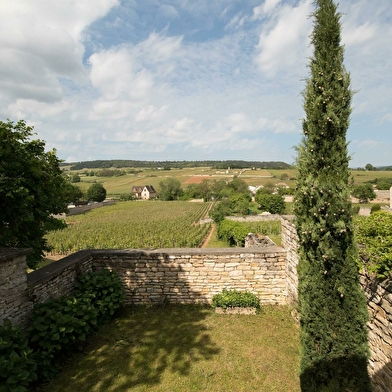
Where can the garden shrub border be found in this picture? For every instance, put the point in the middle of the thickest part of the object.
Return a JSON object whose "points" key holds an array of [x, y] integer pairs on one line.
{"points": [[59, 327]]}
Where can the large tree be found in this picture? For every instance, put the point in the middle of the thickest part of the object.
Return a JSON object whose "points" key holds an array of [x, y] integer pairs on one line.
{"points": [[96, 192], [170, 189], [32, 188], [332, 307]]}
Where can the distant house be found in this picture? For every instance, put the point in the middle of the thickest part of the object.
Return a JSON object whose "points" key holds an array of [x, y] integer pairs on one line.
{"points": [[144, 192], [254, 189]]}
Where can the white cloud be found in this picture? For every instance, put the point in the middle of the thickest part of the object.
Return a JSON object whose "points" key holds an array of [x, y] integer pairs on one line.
{"points": [[360, 34], [278, 125], [283, 42], [265, 8], [42, 42], [22, 107], [169, 81], [169, 11]]}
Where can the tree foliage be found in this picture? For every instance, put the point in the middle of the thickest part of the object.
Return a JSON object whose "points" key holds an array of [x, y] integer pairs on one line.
{"points": [[332, 307], [96, 192], [269, 202], [73, 193], [364, 192], [170, 189], [375, 233], [32, 188]]}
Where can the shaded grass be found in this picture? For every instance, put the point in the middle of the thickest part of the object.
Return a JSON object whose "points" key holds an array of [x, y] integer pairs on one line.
{"points": [[187, 348]]}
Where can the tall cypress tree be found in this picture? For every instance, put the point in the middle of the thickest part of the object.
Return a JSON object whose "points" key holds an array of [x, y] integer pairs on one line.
{"points": [[332, 307]]}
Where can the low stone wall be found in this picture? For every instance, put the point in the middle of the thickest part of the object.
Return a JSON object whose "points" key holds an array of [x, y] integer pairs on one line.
{"points": [[148, 276], [195, 275], [58, 279]]}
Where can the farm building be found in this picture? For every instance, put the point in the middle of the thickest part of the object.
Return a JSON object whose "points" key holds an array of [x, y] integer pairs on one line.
{"points": [[144, 192]]}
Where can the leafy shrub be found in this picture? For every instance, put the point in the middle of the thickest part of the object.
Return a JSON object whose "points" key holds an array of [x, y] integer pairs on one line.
{"points": [[234, 298], [59, 325], [235, 232], [104, 289], [55, 224], [375, 207], [355, 209], [375, 234], [271, 203], [232, 232], [364, 192], [17, 363]]}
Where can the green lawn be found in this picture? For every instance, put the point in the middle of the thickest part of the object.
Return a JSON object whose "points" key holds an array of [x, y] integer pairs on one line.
{"points": [[187, 348]]}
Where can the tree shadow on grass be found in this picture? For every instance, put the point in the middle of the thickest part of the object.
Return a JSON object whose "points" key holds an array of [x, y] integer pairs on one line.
{"points": [[138, 347]]}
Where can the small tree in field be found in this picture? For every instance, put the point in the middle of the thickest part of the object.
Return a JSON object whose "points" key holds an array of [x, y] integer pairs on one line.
{"points": [[96, 192], [364, 192], [332, 307]]}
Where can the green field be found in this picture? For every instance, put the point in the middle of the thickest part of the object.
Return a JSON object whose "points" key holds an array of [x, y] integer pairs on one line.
{"points": [[138, 224], [116, 186]]}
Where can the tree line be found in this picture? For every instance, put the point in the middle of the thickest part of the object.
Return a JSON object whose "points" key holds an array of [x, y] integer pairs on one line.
{"points": [[120, 163]]}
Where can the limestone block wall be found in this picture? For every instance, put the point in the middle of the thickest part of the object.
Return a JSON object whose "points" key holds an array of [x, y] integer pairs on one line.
{"points": [[379, 300], [14, 299], [290, 244], [58, 279], [195, 275]]}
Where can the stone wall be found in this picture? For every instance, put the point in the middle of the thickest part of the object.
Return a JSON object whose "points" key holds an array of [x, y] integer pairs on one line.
{"points": [[58, 279], [379, 300], [14, 299], [290, 244], [195, 275]]}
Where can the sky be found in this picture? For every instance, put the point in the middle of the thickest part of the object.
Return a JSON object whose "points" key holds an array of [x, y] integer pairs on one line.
{"points": [[186, 79]]}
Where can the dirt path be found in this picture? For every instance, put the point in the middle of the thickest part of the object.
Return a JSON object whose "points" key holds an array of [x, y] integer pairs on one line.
{"points": [[207, 238]]}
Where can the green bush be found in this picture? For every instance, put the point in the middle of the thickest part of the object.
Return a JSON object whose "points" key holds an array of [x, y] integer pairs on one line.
{"points": [[234, 298], [232, 232], [375, 207], [17, 363], [271, 203], [235, 233], [59, 326], [104, 289], [355, 209], [375, 234]]}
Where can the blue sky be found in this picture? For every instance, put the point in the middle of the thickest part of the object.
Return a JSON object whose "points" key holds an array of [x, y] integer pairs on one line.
{"points": [[186, 79]]}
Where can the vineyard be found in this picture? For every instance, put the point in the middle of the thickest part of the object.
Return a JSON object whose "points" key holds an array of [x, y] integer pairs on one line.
{"points": [[136, 225]]}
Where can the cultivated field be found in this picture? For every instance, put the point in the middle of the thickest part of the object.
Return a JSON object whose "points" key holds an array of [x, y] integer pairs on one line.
{"points": [[137, 224], [122, 185]]}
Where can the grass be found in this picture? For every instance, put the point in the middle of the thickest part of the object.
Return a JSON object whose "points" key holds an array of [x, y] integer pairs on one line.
{"points": [[214, 241], [187, 348]]}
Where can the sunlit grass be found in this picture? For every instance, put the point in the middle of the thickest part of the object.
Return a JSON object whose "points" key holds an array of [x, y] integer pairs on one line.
{"points": [[187, 348]]}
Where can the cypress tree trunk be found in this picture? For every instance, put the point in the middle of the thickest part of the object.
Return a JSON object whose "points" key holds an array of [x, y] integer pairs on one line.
{"points": [[332, 307]]}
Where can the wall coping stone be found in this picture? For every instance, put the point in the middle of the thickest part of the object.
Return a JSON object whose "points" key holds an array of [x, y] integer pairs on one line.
{"points": [[7, 254], [56, 267], [187, 251]]}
